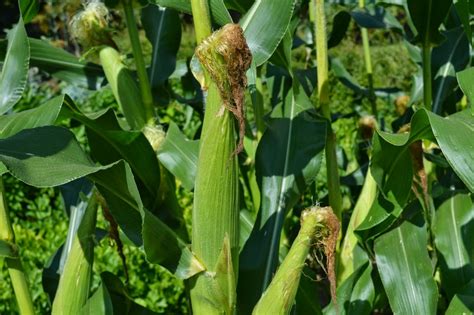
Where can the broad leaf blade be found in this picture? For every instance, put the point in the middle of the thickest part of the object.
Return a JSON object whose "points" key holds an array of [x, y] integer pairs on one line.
{"points": [[43, 115], [405, 269], [450, 57], [15, 67], [261, 39], [427, 16], [179, 155], [453, 232], [163, 29]]}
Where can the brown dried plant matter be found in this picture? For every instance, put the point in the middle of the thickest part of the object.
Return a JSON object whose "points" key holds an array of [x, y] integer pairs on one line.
{"points": [[328, 243], [226, 58]]}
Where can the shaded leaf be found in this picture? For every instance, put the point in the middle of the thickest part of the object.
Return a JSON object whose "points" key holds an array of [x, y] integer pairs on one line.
{"points": [[463, 302], [356, 294], [282, 178], [376, 17], [43, 115], [450, 57], [341, 22], [391, 155], [111, 297], [15, 67], [427, 16], [163, 30], [453, 231]]}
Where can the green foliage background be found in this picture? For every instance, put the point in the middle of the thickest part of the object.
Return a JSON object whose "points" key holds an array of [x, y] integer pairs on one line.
{"points": [[40, 222]]}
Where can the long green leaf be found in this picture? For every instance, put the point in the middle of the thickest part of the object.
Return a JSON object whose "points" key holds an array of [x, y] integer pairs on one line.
{"points": [[450, 57], [50, 156], [406, 271], [15, 67], [61, 64], [163, 29], [356, 294], [427, 16], [261, 39], [463, 302], [282, 178], [179, 155], [453, 232], [391, 156], [43, 115], [28, 9], [45, 157]]}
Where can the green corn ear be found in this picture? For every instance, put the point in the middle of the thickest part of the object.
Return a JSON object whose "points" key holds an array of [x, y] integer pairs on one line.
{"points": [[74, 284], [319, 226], [124, 87], [216, 209]]}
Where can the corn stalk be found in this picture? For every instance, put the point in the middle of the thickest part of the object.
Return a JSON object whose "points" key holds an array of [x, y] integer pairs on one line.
{"points": [[13, 262], [319, 18]]}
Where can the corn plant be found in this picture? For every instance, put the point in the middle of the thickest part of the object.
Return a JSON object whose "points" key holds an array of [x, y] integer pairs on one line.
{"points": [[264, 226]]}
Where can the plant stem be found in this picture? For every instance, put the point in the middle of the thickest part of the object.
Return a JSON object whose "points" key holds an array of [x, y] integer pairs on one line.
{"points": [[335, 197], [14, 266], [139, 61], [368, 65], [427, 96], [202, 19]]}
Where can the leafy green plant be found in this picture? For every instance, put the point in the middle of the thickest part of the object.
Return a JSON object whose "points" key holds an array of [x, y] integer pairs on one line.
{"points": [[395, 235]]}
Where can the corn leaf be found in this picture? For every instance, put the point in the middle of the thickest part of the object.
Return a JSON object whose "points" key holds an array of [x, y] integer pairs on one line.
{"points": [[61, 64], [463, 8], [427, 16], [466, 81], [463, 302], [43, 115], [179, 155], [406, 270], [219, 12], [262, 40], [282, 179], [376, 17], [391, 156], [50, 156], [28, 9], [452, 229], [447, 59], [356, 294], [111, 298], [163, 30], [15, 67]]}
